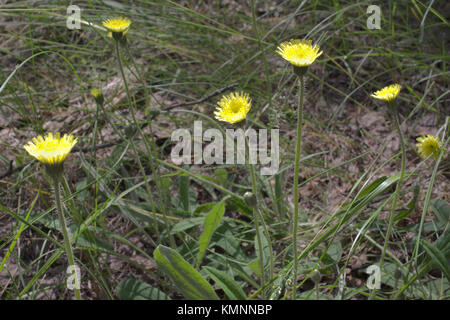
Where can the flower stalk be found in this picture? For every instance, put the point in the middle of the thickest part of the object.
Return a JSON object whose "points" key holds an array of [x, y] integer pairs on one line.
{"points": [[52, 150], [300, 54], [399, 182], [133, 116], [389, 94], [62, 221], [298, 148]]}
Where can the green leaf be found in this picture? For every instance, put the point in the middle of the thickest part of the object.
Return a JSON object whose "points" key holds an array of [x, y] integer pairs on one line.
{"points": [[222, 176], [188, 280], [334, 252], [367, 190], [228, 285], [279, 195], [133, 289], [254, 265], [186, 224], [406, 212], [265, 247], [203, 208], [226, 239], [86, 239], [212, 220], [438, 257], [441, 210], [183, 183]]}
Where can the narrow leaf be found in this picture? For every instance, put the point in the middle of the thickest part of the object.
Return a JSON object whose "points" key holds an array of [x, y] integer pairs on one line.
{"points": [[133, 289], [212, 221], [226, 283], [184, 191], [188, 280], [441, 210], [437, 257]]}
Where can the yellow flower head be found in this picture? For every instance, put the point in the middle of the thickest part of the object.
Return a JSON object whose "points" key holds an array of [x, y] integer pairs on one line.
{"points": [[117, 25], [98, 96], [233, 108], [429, 145], [96, 93], [300, 53], [51, 150], [388, 93]]}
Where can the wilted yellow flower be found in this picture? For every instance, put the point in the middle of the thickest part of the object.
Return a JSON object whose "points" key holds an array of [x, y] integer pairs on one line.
{"points": [[51, 150], [233, 108], [300, 53], [429, 145], [388, 93], [118, 26]]}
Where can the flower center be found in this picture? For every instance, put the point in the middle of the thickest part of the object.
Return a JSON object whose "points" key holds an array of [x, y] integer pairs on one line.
{"points": [[235, 106]]}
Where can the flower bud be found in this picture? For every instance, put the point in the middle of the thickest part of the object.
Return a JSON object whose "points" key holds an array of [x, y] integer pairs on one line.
{"points": [[98, 96], [316, 276], [250, 199]]}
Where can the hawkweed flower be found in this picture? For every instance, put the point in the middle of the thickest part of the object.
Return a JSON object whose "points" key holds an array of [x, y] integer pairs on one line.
{"points": [[388, 93], [117, 26], [233, 108], [51, 150], [429, 146], [300, 53]]}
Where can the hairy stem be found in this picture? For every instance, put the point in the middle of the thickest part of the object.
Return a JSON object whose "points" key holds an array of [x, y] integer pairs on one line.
{"points": [[67, 244], [398, 187], [296, 172]]}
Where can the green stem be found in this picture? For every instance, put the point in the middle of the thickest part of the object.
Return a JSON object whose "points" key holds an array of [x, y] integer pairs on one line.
{"points": [[67, 244], [399, 183], [172, 240], [317, 290], [255, 217], [258, 212], [426, 204], [273, 113], [94, 152], [296, 171], [151, 148], [261, 257]]}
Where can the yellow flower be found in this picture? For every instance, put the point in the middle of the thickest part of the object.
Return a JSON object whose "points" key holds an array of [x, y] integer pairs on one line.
{"points": [[51, 150], [300, 53], [233, 108], [429, 145], [117, 25], [95, 93], [388, 93]]}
